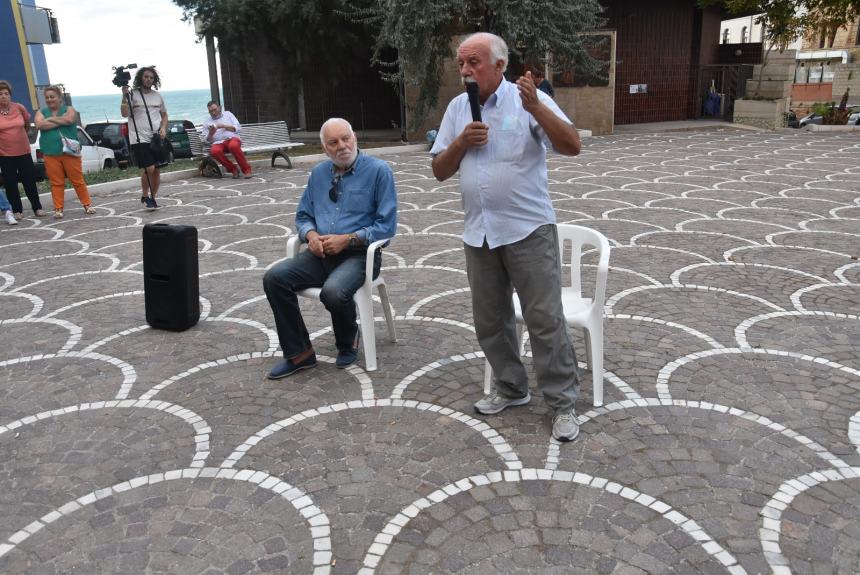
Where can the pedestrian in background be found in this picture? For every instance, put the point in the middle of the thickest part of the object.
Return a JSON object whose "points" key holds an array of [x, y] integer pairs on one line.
{"points": [[222, 130], [16, 163], [58, 140], [148, 116], [6, 208], [542, 83]]}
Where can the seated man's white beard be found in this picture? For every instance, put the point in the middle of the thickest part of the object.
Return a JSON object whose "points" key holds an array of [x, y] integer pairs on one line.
{"points": [[345, 163]]}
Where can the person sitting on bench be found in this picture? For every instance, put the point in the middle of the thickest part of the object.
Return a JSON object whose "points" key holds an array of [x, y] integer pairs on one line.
{"points": [[222, 129]]}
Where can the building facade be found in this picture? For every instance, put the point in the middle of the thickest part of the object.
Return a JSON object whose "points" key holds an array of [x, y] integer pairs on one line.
{"points": [[828, 64], [660, 48], [24, 29]]}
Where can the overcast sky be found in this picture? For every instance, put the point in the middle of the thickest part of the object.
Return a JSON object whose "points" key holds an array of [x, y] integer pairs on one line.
{"points": [[96, 35]]}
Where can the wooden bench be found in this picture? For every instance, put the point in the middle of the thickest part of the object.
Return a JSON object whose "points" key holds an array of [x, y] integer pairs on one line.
{"points": [[264, 137]]}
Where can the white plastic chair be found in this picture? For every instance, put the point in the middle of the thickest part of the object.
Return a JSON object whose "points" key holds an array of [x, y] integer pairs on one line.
{"points": [[363, 300], [579, 311]]}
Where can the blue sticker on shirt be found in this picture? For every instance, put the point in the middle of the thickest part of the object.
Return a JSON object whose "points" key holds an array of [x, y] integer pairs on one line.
{"points": [[510, 122]]}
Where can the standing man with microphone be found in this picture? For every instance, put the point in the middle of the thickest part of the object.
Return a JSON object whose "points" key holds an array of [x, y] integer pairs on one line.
{"points": [[510, 235]]}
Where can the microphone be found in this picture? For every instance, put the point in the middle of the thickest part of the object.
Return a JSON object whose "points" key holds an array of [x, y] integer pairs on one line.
{"points": [[472, 90]]}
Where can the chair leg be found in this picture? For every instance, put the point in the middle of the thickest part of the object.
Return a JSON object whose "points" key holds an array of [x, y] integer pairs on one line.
{"points": [[596, 357], [521, 339], [368, 334], [587, 337], [386, 310]]}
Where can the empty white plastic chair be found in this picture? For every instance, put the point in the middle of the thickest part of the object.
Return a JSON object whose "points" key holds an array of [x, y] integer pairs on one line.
{"points": [[579, 311], [363, 300]]}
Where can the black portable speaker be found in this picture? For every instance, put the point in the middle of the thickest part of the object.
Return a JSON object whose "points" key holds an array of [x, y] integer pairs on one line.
{"points": [[170, 276]]}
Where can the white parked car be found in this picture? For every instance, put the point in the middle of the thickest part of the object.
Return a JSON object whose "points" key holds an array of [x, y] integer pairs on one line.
{"points": [[94, 158]]}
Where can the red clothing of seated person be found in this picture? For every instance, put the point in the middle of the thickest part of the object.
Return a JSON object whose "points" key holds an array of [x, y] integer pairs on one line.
{"points": [[222, 129]]}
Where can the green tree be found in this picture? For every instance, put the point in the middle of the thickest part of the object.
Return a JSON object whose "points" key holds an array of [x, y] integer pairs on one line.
{"points": [[413, 37]]}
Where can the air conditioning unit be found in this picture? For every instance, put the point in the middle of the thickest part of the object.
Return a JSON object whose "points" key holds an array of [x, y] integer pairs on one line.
{"points": [[40, 26]]}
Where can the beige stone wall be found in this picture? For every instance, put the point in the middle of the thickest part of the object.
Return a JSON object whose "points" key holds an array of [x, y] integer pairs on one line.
{"points": [[847, 76], [589, 108], [777, 77], [767, 114]]}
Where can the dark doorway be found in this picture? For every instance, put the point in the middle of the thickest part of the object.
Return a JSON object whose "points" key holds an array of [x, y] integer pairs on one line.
{"points": [[729, 80]]}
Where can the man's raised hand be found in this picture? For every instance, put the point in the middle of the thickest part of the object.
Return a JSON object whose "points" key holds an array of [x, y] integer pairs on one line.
{"points": [[528, 92]]}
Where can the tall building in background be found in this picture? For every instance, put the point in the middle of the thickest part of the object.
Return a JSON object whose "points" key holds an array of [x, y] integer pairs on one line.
{"points": [[24, 30]]}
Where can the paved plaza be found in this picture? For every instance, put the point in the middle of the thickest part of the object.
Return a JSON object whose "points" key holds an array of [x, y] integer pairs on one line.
{"points": [[728, 441]]}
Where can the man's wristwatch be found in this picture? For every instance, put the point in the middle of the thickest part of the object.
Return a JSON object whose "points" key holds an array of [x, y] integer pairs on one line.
{"points": [[354, 242]]}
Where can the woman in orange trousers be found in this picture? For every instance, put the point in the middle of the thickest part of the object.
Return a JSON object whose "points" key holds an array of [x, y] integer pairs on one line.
{"points": [[59, 131]]}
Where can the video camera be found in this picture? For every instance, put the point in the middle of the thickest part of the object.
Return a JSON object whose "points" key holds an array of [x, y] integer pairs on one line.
{"points": [[121, 75]]}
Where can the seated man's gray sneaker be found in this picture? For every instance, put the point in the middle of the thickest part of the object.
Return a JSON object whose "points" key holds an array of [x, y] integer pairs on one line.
{"points": [[565, 426], [494, 403]]}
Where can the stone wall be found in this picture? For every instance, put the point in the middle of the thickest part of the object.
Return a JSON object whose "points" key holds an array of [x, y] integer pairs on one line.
{"points": [[767, 114], [590, 108], [777, 76], [847, 76]]}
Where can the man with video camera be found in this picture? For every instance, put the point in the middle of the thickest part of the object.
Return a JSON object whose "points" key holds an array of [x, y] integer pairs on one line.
{"points": [[145, 107]]}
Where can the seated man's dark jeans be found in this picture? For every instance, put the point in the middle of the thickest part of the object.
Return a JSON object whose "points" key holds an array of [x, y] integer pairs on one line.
{"points": [[339, 276]]}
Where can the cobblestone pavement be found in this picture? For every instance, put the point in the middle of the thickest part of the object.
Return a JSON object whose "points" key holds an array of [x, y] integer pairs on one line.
{"points": [[728, 441]]}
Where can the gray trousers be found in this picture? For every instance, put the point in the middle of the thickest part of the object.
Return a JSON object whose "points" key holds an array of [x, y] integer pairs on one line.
{"points": [[532, 267]]}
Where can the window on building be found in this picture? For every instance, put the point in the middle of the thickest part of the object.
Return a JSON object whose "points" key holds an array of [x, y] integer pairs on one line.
{"points": [[743, 35], [815, 73], [827, 72], [801, 74], [726, 36]]}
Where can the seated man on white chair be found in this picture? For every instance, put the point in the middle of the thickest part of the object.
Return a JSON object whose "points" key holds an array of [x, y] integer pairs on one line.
{"points": [[349, 202]]}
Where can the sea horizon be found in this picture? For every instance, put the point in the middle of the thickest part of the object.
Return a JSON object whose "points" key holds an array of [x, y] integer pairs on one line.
{"points": [[118, 91], [181, 105]]}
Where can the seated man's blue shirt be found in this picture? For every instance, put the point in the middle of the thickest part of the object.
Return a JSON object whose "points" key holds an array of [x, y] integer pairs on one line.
{"points": [[366, 202]]}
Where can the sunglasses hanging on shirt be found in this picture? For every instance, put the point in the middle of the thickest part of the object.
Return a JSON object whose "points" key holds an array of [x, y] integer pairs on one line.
{"points": [[332, 193]]}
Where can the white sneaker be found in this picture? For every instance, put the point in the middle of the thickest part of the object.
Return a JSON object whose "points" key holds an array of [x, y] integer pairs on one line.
{"points": [[565, 427], [10, 218], [494, 402]]}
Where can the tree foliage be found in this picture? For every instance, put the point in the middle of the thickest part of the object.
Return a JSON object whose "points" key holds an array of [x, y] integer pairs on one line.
{"points": [[305, 36], [407, 35], [420, 33]]}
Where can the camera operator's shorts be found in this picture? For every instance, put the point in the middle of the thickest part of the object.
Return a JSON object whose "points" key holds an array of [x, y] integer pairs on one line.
{"points": [[142, 155]]}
